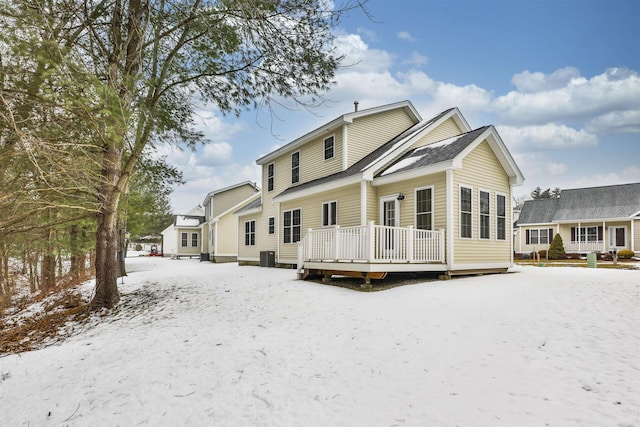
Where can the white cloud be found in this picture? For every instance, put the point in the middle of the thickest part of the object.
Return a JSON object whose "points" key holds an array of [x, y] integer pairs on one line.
{"points": [[216, 153], [536, 82], [615, 122], [545, 137], [358, 54], [416, 59], [624, 176], [615, 90], [405, 35], [556, 169]]}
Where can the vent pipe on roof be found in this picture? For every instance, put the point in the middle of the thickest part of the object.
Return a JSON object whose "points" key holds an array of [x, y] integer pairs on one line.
{"points": [[355, 105]]}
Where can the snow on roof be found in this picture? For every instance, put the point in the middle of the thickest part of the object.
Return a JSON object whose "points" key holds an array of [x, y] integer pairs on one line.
{"points": [[187, 221]]}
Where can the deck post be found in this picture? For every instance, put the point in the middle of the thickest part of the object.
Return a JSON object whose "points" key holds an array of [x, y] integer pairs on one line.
{"points": [[410, 240], [370, 241], [336, 243], [309, 239], [441, 256]]}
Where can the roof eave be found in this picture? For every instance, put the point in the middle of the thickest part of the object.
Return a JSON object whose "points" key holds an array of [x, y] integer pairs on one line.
{"points": [[327, 186], [414, 173]]}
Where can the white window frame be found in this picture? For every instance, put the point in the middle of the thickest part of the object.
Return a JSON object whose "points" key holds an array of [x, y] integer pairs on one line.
{"points": [[333, 147], [487, 215], [250, 232], [184, 239], [396, 209], [194, 240], [271, 225], [538, 236], [467, 187], [415, 206], [271, 178], [499, 217], [331, 220], [292, 227], [295, 168]]}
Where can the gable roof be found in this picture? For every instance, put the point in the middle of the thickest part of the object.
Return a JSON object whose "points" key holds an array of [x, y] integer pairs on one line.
{"points": [[378, 157], [438, 152], [251, 207], [580, 204], [231, 187], [336, 123]]}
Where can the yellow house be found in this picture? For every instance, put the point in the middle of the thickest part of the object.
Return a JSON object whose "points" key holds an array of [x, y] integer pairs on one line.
{"points": [[183, 237], [220, 226], [594, 219], [382, 190]]}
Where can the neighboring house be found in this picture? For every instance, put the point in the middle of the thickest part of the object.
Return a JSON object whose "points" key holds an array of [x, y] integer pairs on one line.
{"points": [[220, 227], [382, 190], [184, 237], [595, 219]]}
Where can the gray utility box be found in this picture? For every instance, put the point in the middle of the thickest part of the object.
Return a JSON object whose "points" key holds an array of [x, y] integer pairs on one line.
{"points": [[267, 259]]}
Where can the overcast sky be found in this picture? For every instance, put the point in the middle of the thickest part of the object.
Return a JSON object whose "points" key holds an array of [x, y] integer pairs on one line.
{"points": [[559, 79]]}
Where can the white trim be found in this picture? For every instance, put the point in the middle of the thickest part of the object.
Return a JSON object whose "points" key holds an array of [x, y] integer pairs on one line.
{"points": [[345, 146], [215, 240], [612, 237], [299, 167], [274, 177], [396, 207], [415, 204], [252, 211], [460, 187], [318, 188], [449, 194], [274, 225], [328, 202], [507, 218], [234, 207], [301, 227], [324, 140], [231, 187], [363, 202], [413, 173], [255, 232], [488, 192]]}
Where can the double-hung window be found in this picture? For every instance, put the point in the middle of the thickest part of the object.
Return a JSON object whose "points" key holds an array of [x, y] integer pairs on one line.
{"points": [[295, 167], [465, 212], [424, 208], [250, 233], [329, 213], [501, 217], [539, 236], [329, 147], [184, 239], [292, 225], [272, 225], [270, 176], [485, 219], [194, 240]]}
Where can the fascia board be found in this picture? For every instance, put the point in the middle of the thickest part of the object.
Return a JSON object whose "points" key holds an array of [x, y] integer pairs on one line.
{"points": [[248, 212], [413, 173], [587, 220], [319, 188]]}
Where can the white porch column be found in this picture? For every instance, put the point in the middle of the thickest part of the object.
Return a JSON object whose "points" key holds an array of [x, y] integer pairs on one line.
{"points": [[336, 242], [363, 202], [604, 239], [633, 235], [450, 194], [578, 237], [370, 241], [410, 239]]}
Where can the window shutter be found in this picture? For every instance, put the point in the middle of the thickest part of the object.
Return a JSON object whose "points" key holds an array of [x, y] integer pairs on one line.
{"points": [[573, 234], [550, 235], [527, 238], [600, 233]]}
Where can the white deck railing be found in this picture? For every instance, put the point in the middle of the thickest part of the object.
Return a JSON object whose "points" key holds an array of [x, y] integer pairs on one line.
{"points": [[584, 247], [371, 244]]}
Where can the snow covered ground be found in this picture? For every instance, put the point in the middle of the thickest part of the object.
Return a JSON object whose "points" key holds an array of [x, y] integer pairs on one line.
{"points": [[220, 345]]}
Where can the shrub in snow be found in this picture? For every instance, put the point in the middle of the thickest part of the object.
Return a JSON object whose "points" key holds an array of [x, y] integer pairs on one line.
{"points": [[556, 250], [625, 254]]}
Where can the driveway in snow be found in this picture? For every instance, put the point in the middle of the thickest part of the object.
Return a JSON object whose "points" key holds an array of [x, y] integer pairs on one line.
{"points": [[220, 345]]}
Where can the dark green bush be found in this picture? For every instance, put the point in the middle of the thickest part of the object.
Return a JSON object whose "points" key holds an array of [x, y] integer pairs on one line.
{"points": [[556, 250]]}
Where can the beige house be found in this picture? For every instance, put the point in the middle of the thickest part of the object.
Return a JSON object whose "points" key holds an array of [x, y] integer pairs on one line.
{"points": [[183, 238], [220, 226], [596, 219], [382, 190]]}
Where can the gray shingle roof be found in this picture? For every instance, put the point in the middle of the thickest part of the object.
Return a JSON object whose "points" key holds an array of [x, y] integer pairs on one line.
{"points": [[594, 203], [432, 154], [367, 160], [252, 205]]}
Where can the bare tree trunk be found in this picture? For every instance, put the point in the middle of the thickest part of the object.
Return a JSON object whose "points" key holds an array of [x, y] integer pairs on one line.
{"points": [[48, 269], [33, 272]]}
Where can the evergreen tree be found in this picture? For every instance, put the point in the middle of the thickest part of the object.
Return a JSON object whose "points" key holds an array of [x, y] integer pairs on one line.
{"points": [[556, 249]]}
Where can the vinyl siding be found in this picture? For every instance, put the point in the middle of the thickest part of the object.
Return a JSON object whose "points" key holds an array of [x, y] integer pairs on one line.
{"points": [[368, 133], [481, 171], [445, 130], [227, 235], [407, 206], [348, 205], [222, 202], [636, 235], [188, 250], [312, 162]]}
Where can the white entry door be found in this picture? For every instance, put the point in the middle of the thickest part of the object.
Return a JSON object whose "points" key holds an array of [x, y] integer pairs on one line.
{"points": [[617, 237], [389, 216]]}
